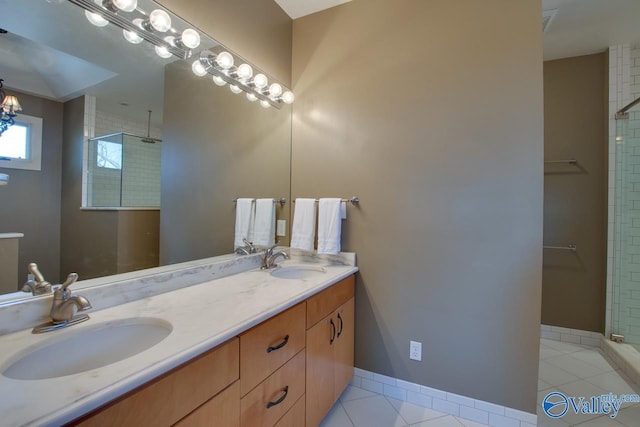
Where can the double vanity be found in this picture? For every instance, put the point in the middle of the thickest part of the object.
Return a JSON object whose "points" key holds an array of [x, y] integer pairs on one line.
{"points": [[213, 342]]}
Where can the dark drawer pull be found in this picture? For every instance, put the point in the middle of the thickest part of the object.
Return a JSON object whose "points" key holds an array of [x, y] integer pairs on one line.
{"points": [[279, 401], [333, 332], [279, 346], [341, 325]]}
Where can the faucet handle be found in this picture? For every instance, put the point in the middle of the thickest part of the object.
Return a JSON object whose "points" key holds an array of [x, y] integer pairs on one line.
{"points": [[71, 279], [33, 269], [248, 244]]}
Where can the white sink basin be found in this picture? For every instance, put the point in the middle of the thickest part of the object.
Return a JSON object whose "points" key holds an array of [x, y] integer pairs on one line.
{"points": [[298, 272], [89, 348]]}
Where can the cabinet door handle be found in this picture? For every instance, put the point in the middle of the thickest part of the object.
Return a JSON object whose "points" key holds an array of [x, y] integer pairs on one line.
{"points": [[279, 346], [341, 325], [333, 332], [279, 401]]}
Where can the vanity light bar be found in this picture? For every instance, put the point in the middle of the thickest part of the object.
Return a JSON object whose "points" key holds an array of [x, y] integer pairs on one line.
{"points": [[125, 24], [230, 76]]}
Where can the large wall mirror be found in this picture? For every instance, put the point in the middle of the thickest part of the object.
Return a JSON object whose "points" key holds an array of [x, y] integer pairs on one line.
{"points": [[86, 81]]}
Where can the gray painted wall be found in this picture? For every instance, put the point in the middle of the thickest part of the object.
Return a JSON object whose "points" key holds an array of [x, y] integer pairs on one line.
{"points": [[89, 238], [432, 113], [575, 126], [30, 204], [217, 146]]}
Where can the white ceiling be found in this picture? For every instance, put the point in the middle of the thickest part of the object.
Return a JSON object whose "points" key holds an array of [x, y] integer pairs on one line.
{"points": [[299, 8], [582, 27]]}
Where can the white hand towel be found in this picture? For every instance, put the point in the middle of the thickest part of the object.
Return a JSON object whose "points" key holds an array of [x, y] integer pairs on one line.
{"points": [[244, 221], [264, 229], [304, 224], [329, 226]]}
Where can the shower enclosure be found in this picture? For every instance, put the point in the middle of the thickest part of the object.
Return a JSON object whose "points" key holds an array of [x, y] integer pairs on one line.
{"points": [[625, 312], [123, 170]]}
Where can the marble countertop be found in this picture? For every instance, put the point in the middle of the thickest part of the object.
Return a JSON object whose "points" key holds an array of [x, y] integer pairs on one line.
{"points": [[202, 316]]}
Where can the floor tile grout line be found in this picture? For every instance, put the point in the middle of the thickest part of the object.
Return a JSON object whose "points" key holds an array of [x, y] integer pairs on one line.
{"points": [[360, 398], [592, 365], [395, 409], [346, 412]]}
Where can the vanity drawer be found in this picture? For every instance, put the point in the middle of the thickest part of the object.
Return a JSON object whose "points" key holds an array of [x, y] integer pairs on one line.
{"points": [[266, 347], [295, 417], [166, 400], [321, 305], [272, 398], [223, 410]]}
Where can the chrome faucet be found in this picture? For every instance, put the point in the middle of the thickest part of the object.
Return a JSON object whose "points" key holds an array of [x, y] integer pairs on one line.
{"points": [[269, 258], [247, 249], [39, 286], [64, 307], [62, 310]]}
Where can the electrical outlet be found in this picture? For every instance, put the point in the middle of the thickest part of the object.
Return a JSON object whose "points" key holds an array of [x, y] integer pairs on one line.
{"points": [[415, 351]]}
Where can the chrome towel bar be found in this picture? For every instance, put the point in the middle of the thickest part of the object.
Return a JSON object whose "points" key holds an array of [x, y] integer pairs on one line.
{"points": [[567, 161], [353, 200], [571, 248], [282, 201]]}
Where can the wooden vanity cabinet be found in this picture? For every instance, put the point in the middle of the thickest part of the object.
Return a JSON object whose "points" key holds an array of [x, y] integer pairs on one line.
{"points": [[329, 348], [285, 372]]}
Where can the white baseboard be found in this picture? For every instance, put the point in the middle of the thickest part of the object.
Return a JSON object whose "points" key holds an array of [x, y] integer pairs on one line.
{"points": [[442, 401], [574, 336]]}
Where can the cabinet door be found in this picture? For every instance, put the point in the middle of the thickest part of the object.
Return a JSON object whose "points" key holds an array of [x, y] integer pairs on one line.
{"points": [[343, 347], [320, 393]]}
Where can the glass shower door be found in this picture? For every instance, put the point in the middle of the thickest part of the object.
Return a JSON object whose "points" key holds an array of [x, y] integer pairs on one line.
{"points": [[626, 247]]}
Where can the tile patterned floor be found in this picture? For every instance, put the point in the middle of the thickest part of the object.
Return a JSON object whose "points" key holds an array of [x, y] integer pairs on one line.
{"points": [[361, 408], [576, 370], [572, 369]]}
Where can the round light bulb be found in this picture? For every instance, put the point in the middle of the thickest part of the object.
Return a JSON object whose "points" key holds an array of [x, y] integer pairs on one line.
{"points": [[260, 81], [219, 81], [198, 69], [224, 60], [132, 36], [163, 51], [251, 97], [95, 18], [235, 89], [264, 104], [190, 38], [288, 97], [160, 20], [138, 23], [275, 90], [245, 71], [126, 5]]}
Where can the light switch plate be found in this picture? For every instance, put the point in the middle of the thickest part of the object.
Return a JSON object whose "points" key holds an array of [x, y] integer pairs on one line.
{"points": [[281, 228]]}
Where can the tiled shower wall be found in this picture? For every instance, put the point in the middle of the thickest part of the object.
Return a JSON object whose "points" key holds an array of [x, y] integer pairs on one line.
{"points": [[623, 277], [141, 173]]}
